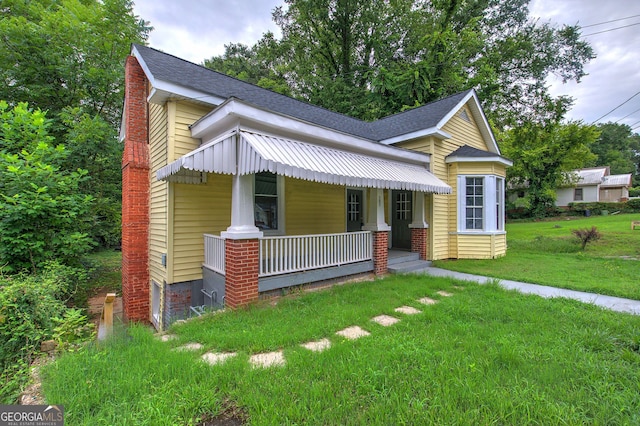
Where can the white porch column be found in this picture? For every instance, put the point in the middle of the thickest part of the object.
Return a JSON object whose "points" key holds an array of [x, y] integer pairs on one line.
{"points": [[375, 219], [242, 210], [419, 221]]}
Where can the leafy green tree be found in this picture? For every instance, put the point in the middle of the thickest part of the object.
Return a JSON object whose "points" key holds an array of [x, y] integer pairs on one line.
{"points": [[617, 147], [542, 153], [42, 210], [369, 58], [66, 57]]}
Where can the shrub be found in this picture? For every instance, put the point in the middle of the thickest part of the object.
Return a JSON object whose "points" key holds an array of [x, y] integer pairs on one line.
{"points": [[634, 204], [586, 235], [634, 192]]}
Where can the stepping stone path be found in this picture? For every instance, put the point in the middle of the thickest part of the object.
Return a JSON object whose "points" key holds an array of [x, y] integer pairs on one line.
{"points": [[217, 358], [407, 310], [190, 347], [269, 359], [353, 333], [385, 320], [167, 337], [317, 346], [272, 359]]}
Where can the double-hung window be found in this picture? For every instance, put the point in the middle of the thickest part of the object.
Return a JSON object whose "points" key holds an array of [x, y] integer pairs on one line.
{"points": [[267, 204], [480, 203]]}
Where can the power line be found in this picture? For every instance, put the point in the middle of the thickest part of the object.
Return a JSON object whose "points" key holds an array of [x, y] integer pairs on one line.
{"points": [[627, 115], [611, 29], [637, 122], [608, 22], [637, 93]]}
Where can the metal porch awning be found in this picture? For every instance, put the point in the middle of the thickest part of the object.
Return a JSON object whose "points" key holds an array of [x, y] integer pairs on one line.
{"points": [[255, 153]]}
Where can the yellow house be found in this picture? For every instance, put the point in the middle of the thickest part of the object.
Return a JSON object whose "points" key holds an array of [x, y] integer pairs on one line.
{"points": [[231, 190]]}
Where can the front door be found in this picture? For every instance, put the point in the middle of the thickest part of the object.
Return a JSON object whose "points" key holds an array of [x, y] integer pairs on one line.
{"points": [[354, 210], [401, 216]]}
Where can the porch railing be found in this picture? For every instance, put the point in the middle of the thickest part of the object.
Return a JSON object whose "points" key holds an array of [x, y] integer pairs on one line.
{"points": [[283, 255], [214, 253]]}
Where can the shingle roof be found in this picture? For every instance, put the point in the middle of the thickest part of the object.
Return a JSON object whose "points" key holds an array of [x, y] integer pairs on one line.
{"points": [[468, 151], [177, 71]]}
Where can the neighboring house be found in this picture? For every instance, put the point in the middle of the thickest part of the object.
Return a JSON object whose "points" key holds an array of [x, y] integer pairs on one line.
{"points": [[231, 190], [592, 185]]}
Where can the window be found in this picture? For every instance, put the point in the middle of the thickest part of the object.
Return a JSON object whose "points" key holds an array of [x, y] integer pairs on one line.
{"points": [[353, 207], [577, 194], [266, 201], [155, 302], [403, 205], [481, 203], [474, 187]]}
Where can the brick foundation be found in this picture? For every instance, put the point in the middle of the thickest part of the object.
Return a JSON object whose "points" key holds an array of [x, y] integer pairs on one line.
{"points": [[380, 252], [420, 242], [135, 196], [241, 272], [178, 301]]}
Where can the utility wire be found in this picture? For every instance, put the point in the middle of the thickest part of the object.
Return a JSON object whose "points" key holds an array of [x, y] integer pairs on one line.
{"points": [[608, 22], [611, 29], [637, 93], [627, 115]]}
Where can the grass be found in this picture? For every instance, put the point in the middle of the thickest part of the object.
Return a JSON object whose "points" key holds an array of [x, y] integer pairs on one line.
{"points": [[482, 356], [547, 253]]}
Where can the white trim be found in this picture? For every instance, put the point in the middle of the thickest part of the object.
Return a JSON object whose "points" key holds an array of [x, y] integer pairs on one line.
{"points": [[239, 111], [494, 159], [432, 131], [478, 233], [376, 220], [489, 226]]}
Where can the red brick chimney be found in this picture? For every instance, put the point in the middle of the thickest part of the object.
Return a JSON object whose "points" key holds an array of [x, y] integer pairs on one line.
{"points": [[135, 195]]}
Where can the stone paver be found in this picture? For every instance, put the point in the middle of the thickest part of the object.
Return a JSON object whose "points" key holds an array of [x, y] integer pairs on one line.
{"points": [[407, 310], [214, 358], [618, 304], [190, 347], [427, 301], [353, 332], [167, 337], [385, 320], [317, 346], [268, 359], [444, 293]]}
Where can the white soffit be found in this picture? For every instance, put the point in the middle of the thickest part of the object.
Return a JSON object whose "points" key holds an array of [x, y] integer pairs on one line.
{"points": [[258, 153]]}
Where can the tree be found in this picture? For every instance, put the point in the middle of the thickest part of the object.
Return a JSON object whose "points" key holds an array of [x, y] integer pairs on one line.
{"points": [[617, 147], [66, 57], [542, 153], [43, 214], [369, 58]]}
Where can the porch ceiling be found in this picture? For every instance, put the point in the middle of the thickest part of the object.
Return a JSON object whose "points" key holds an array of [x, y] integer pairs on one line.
{"points": [[255, 152]]}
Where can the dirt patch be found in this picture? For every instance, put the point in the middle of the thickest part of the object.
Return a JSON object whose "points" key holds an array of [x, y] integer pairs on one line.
{"points": [[96, 302], [231, 415]]}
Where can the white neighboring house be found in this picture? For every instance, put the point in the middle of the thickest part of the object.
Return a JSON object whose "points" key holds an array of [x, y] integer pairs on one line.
{"points": [[592, 185]]}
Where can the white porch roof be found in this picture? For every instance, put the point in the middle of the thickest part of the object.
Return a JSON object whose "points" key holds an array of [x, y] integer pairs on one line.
{"points": [[255, 152]]}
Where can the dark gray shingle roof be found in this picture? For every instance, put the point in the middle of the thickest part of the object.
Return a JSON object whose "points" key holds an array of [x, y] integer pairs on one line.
{"points": [[468, 151], [171, 69]]}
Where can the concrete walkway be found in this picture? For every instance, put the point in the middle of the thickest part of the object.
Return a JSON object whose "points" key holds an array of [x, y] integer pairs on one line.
{"points": [[609, 302]]}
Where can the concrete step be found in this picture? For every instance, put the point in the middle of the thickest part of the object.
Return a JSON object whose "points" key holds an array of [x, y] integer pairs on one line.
{"points": [[411, 266], [396, 257]]}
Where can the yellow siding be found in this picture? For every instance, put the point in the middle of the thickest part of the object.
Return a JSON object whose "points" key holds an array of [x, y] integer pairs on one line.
{"points": [[198, 209], [158, 192], [481, 246], [314, 208], [185, 115], [481, 169]]}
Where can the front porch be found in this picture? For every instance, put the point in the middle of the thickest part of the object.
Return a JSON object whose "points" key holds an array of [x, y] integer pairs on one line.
{"points": [[288, 261]]}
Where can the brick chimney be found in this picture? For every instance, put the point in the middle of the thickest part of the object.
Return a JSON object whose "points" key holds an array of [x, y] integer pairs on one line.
{"points": [[135, 196]]}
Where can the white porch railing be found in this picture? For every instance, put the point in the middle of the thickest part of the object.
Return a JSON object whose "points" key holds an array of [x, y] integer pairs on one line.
{"points": [[283, 255], [214, 253]]}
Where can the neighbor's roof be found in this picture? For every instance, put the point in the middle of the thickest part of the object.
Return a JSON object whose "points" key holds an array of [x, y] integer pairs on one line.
{"points": [[617, 180], [181, 75], [591, 176]]}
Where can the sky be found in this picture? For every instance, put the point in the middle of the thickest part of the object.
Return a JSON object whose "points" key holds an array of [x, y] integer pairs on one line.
{"points": [[196, 30]]}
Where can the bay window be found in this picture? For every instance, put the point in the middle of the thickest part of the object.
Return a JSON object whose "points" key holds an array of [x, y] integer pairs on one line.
{"points": [[480, 203]]}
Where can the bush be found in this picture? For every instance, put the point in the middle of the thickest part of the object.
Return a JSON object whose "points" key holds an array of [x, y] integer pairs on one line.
{"points": [[32, 309], [634, 192], [586, 235], [597, 208], [634, 204]]}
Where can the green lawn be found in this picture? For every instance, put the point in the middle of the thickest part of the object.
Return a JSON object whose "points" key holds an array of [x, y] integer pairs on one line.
{"points": [[483, 356], [547, 253]]}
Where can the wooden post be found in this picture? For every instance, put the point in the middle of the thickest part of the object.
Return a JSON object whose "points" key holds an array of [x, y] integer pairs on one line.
{"points": [[105, 328]]}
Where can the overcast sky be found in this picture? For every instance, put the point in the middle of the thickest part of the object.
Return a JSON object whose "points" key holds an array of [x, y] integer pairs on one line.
{"points": [[198, 29]]}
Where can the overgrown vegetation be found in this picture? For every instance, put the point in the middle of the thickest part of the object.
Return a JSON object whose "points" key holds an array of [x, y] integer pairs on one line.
{"points": [[482, 356], [546, 252], [586, 236]]}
